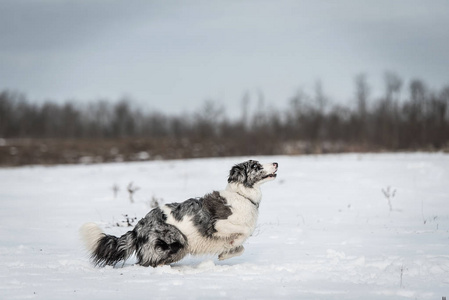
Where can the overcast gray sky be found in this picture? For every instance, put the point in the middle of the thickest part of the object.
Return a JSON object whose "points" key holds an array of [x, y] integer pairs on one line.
{"points": [[172, 55]]}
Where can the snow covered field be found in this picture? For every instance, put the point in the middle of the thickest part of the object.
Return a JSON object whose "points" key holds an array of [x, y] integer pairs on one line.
{"points": [[326, 230]]}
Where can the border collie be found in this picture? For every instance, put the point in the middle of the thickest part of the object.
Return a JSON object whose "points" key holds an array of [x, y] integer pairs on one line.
{"points": [[217, 223]]}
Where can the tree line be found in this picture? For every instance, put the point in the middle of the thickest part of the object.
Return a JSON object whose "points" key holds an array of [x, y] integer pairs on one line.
{"points": [[407, 117]]}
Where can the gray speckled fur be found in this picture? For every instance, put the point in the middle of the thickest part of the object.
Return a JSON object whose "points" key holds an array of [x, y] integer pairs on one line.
{"points": [[157, 243], [247, 173], [154, 241]]}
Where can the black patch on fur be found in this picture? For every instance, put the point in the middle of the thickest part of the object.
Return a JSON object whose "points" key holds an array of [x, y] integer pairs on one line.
{"points": [[237, 174], [162, 245], [141, 240], [187, 208], [216, 206], [175, 247], [205, 212]]}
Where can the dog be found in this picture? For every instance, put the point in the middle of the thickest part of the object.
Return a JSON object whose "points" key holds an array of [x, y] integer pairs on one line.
{"points": [[215, 224]]}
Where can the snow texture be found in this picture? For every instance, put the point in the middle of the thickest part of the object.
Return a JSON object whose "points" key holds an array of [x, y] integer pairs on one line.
{"points": [[325, 230]]}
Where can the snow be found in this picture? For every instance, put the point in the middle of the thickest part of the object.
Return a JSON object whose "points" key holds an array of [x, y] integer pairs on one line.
{"points": [[325, 230]]}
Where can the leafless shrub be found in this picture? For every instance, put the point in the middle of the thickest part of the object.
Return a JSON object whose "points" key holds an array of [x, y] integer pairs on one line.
{"points": [[155, 202], [127, 221], [131, 190], [115, 189], [389, 194]]}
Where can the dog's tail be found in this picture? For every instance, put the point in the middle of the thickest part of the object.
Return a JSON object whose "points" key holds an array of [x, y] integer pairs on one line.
{"points": [[107, 249]]}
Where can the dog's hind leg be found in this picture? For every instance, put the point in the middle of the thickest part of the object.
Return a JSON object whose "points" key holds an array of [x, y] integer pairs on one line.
{"points": [[160, 252], [237, 251], [161, 245], [158, 243]]}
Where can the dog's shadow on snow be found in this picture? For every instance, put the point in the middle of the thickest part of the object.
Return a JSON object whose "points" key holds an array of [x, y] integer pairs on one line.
{"points": [[192, 265], [195, 265]]}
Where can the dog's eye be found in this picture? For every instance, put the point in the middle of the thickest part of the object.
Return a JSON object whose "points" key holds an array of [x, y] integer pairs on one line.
{"points": [[255, 167]]}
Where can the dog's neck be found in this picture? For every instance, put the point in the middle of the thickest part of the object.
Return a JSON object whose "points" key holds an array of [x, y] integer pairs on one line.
{"points": [[254, 195]]}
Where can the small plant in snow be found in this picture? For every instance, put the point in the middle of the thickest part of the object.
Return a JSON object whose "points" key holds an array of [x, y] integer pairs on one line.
{"points": [[155, 202], [389, 194], [126, 222], [403, 269], [115, 189], [131, 190]]}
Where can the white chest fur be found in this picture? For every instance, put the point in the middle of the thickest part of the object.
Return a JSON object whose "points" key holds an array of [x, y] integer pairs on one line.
{"points": [[243, 220]]}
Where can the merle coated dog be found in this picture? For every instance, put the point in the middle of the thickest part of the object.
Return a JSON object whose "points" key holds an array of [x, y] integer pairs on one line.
{"points": [[217, 223]]}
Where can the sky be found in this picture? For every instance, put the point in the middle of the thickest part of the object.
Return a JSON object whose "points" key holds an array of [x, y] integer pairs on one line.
{"points": [[171, 56]]}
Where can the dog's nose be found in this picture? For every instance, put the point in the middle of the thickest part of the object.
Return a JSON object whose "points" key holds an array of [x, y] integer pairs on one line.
{"points": [[276, 165]]}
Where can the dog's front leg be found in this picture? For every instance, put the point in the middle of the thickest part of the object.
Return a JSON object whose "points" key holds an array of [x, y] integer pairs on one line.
{"points": [[237, 251], [235, 247]]}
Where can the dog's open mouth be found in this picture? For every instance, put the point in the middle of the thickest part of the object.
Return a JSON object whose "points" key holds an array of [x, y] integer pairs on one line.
{"points": [[271, 175]]}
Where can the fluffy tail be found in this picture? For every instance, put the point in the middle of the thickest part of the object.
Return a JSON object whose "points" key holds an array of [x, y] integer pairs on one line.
{"points": [[107, 249]]}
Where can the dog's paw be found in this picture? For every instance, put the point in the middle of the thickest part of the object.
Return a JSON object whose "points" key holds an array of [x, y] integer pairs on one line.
{"points": [[237, 251]]}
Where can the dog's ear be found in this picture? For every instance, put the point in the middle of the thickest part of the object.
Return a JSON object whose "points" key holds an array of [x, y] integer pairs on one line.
{"points": [[237, 174]]}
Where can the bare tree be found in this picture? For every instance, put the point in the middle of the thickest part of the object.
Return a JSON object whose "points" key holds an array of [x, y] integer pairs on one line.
{"points": [[207, 120], [418, 91], [393, 85], [321, 100], [245, 107], [362, 93], [132, 190], [123, 122]]}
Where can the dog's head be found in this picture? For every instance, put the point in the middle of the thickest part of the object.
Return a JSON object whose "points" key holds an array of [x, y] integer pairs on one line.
{"points": [[251, 172]]}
